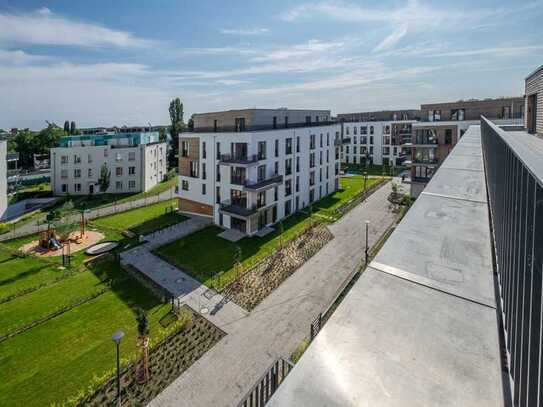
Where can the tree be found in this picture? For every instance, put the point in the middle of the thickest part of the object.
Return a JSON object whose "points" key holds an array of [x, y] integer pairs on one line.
{"points": [[67, 127], [48, 138], [162, 136], [105, 177], [177, 125], [24, 143], [143, 333], [73, 128]]}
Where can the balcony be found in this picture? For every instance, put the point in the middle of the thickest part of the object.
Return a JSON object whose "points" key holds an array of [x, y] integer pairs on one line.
{"points": [[238, 159], [237, 208], [425, 161], [264, 184]]}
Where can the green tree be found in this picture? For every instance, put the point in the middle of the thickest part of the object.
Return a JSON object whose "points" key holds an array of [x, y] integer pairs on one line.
{"points": [[162, 136], [67, 127], [48, 138], [25, 143], [73, 128], [104, 179], [177, 125]]}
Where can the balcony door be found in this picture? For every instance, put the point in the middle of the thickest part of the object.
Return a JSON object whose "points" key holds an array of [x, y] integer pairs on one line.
{"points": [[238, 151], [238, 198]]}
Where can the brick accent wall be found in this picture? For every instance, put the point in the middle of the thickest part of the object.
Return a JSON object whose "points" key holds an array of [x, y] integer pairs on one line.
{"points": [[186, 205], [193, 154]]}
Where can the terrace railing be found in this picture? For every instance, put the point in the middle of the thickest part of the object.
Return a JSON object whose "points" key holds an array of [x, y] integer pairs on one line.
{"points": [[514, 178]]}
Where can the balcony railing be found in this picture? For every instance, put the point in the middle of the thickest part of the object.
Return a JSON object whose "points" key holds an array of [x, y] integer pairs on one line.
{"points": [[266, 183], [514, 178], [260, 127], [238, 159], [424, 160], [237, 208]]}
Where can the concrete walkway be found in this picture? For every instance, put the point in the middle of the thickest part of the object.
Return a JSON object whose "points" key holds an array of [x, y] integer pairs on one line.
{"points": [[281, 321]]}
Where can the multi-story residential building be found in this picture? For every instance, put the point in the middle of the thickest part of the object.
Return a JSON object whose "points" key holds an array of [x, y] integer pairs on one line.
{"points": [[251, 168], [3, 177], [503, 108], [136, 162], [380, 116], [374, 143], [534, 102]]}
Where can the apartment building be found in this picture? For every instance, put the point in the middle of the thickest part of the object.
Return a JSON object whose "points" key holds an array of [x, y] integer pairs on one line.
{"points": [[534, 102], [257, 166], [473, 109], [136, 162], [380, 116], [3, 177], [374, 143]]}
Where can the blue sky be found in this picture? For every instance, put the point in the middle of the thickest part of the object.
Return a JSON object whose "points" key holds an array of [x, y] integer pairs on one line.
{"points": [[120, 62]]}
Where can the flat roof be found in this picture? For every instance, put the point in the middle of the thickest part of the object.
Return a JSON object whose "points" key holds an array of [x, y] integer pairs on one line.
{"points": [[419, 327], [537, 70], [254, 109], [461, 102]]}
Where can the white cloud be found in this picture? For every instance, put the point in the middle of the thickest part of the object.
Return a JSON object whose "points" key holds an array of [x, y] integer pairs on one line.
{"points": [[311, 47], [252, 31], [392, 39], [46, 28], [508, 51], [18, 57]]}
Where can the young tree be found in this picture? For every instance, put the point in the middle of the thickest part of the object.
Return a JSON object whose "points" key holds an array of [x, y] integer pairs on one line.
{"points": [[143, 333], [105, 177], [177, 125], [67, 127], [73, 128]]}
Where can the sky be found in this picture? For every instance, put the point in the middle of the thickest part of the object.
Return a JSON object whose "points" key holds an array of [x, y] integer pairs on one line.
{"points": [[104, 63]]}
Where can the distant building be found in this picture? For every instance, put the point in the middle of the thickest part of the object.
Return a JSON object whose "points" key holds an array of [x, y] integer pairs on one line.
{"points": [[502, 108], [3, 177], [383, 115], [137, 162], [250, 168], [534, 102]]}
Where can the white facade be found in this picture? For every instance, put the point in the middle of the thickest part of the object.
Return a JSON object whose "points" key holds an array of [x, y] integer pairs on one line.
{"points": [[3, 178], [269, 174], [372, 138], [75, 169]]}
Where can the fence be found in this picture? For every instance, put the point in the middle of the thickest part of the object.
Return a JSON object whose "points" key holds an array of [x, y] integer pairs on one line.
{"points": [[266, 386], [39, 226], [514, 174]]}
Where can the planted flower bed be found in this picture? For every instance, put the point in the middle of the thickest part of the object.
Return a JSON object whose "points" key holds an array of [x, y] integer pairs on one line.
{"points": [[260, 280], [167, 361]]}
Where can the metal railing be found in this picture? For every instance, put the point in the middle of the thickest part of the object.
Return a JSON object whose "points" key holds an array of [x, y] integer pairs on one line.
{"points": [[514, 178], [268, 383], [238, 158], [260, 127]]}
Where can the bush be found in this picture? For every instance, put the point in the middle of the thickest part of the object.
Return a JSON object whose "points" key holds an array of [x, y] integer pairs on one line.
{"points": [[4, 228], [170, 174]]}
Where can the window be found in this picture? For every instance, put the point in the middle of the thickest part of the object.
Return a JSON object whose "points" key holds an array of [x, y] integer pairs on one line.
{"points": [[312, 178], [204, 153], [218, 173], [63, 174], [320, 157], [261, 173], [288, 166], [276, 168], [327, 156], [298, 144], [184, 148], [288, 146], [131, 184], [354, 150], [261, 150], [355, 139], [89, 158], [64, 159], [131, 170], [261, 199], [204, 172], [240, 123], [184, 185], [458, 114], [297, 164], [288, 187], [218, 151], [276, 148], [326, 172], [105, 152], [434, 115], [286, 122], [371, 129], [363, 129], [77, 173], [288, 207], [275, 194], [194, 169], [297, 184], [215, 125], [386, 150], [346, 130], [311, 196], [320, 141], [77, 187], [448, 136], [274, 122], [64, 188], [118, 185], [203, 189], [119, 171], [312, 142], [312, 160], [346, 149], [354, 129], [217, 194], [297, 203], [89, 172], [132, 156], [371, 139], [119, 157], [308, 120], [363, 140], [327, 139], [77, 159], [371, 150]]}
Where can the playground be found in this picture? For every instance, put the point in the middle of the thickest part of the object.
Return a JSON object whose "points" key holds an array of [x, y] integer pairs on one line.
{"points": [[51, 245]]}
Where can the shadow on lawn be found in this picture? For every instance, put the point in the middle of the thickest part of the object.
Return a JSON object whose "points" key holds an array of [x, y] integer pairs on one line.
{"points": [[23, 275], [159, 222]]}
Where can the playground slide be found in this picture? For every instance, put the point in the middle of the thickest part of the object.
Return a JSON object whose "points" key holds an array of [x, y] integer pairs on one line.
{"points": [[54, 243]]}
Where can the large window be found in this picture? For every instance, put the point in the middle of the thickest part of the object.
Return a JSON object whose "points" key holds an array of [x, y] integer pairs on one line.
{"points": [[288, 145], [184, 148], [261, 150]]}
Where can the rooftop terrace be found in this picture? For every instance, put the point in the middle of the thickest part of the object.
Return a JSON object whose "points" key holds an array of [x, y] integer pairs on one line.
{"points": [[420, 326], [128, 139]]}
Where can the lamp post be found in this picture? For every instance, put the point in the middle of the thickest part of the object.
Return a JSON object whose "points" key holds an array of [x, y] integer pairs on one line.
{"points": [[365, 180], [367, 227], [117, 336]]}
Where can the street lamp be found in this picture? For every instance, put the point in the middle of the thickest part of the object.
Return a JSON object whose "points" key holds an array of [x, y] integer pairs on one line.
{"points": [[367, 227], [117, 336]]}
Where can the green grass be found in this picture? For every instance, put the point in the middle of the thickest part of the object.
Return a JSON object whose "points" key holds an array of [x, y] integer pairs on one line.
{"points": [[31, 191], [62, 357], [143, 220], [372, 170], [186, 253]]}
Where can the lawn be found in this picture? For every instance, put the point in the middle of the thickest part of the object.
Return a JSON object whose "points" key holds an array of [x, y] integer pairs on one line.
{"points": [[372, 170], [143, 220], [186, 253], [63, 356]]}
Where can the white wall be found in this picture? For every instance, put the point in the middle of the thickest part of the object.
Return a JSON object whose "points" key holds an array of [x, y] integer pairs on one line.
{"points": [[3, 178]]}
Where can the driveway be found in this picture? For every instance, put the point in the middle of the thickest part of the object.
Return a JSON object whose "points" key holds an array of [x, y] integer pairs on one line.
{"points": [[281, 321]]}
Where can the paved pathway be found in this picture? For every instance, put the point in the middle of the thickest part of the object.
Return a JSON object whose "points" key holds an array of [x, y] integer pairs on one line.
{"points": [[281, 321]]}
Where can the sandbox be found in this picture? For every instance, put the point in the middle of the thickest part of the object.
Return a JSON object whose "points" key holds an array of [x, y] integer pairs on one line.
{"points": [[91, 238]]}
